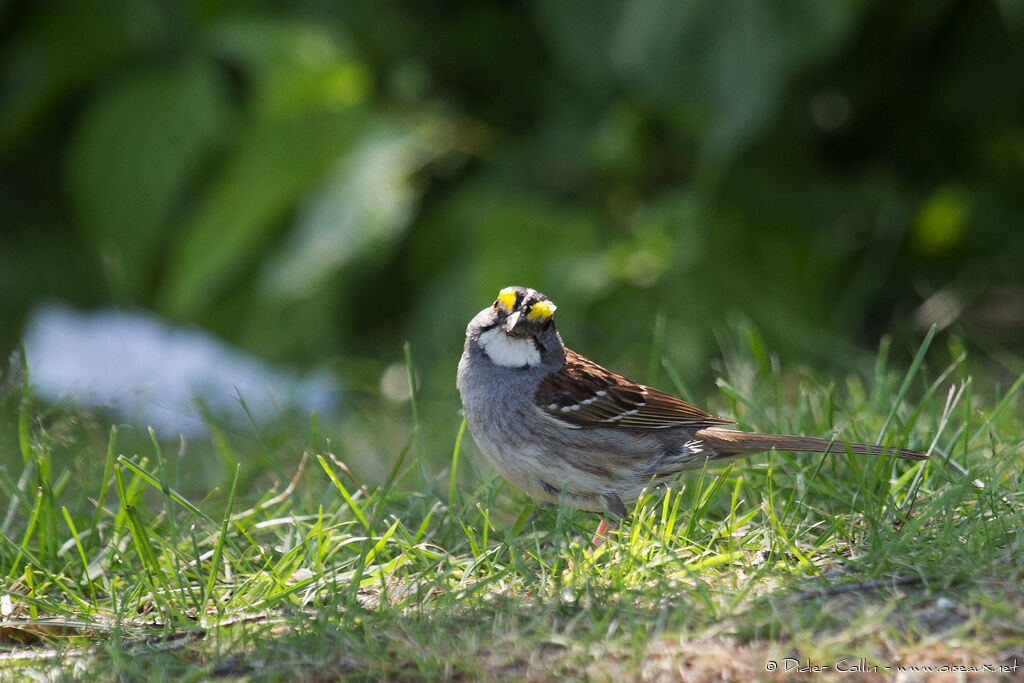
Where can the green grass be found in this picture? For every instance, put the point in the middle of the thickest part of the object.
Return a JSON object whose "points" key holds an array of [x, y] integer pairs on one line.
{"points": [[115, 563]]}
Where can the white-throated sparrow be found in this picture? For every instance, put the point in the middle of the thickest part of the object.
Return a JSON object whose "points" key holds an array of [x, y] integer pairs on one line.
{"points": [[560, 426]]}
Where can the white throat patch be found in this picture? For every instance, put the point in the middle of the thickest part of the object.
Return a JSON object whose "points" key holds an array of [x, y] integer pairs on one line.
{"points": [[510, 352]]}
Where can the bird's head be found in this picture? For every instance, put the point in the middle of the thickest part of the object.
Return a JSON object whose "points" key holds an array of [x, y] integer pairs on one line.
{"points": [[518, 329]]}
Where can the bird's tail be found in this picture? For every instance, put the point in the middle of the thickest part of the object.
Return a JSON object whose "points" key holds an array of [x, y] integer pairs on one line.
{"points": [[732, 442]]}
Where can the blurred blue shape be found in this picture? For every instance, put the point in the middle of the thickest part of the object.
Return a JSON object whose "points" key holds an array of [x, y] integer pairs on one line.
{"points": [[148, 371]]}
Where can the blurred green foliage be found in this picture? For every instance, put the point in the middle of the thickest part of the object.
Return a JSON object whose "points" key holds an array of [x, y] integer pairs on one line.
{"points": [[318, 180]]}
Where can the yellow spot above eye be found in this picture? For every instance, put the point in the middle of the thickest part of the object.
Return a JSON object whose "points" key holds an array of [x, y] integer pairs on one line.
{"points": [[507, 297], [541, 309]]}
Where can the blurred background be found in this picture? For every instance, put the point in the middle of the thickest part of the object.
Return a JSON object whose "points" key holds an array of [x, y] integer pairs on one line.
{"points": [[299, 188]]}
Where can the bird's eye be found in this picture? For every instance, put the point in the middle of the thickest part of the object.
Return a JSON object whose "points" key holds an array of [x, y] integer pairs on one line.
{"points": [[495, 304]]}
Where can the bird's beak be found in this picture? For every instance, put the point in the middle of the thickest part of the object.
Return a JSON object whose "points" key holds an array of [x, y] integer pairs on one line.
{"points": [[512, 321]]}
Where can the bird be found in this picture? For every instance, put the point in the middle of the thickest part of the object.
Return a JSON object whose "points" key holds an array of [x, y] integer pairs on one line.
{"points": [[568, 431]]}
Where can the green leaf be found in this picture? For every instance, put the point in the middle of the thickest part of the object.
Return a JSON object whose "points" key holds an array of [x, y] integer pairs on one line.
{"points": [[294, 65], [273, 165], [715, 70], [136, 149], [360, 212], [56, 48]]}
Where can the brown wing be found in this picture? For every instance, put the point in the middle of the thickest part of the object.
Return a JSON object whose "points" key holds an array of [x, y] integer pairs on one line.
{"points": [[583, 394]]}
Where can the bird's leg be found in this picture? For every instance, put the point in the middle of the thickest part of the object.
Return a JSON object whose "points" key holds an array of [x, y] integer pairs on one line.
{"points": [[602, 529], [616, 510], [599, 533]]}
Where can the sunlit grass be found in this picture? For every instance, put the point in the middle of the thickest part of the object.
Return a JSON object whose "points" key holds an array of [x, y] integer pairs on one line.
{"points": [[432, 572]]}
